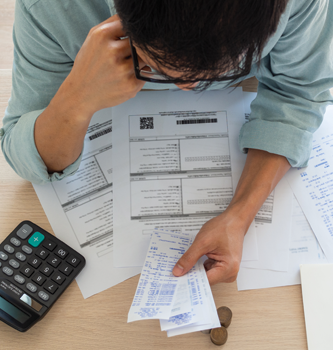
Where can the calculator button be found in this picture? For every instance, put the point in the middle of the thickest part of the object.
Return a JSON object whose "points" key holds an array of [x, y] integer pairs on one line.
{"points": [[3, 256], [44, 296], [27, 249], [19, 279], [31, 287], [34, 262], [58, 278], [53, 260], [42, 253], [9, 249], [14, 263], [51, 287], [27, 271], [20, 256], [14, 241], [7, 271], [50, 245], [36, 239], [24, 231], [66, 269], [73, 260], [62, 253], [46, 270], [39, 279]]}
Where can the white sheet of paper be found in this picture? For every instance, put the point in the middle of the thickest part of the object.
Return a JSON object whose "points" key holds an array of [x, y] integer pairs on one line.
{"points": [[198, 302], [80, 209], [171, 166], [313, 185], [304, 249], [155, 295], [317, 290], [210, 317], [273, 239], [273, 221]]}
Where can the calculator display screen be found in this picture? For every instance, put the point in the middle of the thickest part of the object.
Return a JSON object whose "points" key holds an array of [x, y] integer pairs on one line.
{"points": [[13, 311]]}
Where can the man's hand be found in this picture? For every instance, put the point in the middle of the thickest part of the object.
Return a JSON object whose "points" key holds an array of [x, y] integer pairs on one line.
{"points": [[221, 238], [103, 72], [102, 76]]}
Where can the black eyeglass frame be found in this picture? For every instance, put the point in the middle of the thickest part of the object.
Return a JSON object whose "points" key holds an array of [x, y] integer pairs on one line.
{"points": [[167, 80]]}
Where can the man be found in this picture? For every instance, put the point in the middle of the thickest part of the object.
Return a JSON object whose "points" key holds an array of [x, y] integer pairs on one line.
{"points": [[191, 43]]}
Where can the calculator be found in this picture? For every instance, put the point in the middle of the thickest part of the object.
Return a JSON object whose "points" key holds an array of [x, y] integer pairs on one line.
{"points": [[35, 269]]}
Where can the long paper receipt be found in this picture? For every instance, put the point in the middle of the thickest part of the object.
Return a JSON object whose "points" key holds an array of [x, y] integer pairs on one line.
{"points": [[182, 304]]}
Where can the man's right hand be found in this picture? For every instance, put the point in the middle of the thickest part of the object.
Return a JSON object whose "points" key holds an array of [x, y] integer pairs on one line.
{"points": [[102, 76], [103, 72]]}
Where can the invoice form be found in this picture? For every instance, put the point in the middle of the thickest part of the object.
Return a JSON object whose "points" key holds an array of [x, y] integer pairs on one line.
{"points": [[80, 209], [304, 249], [313, 185], [172, 166]]}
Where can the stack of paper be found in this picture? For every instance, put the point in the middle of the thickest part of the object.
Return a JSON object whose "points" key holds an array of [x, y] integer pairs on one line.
{"points": [[183, 304], [170, 160]]}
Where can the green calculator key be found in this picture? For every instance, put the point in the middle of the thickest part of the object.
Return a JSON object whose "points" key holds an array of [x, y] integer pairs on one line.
{"points": [[36, 239]]}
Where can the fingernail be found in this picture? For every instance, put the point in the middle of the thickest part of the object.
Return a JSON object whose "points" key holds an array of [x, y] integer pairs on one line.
{"points": [[177, 270]]}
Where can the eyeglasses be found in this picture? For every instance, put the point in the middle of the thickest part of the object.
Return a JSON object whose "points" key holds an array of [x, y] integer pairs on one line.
{"points": [[152, 76]]}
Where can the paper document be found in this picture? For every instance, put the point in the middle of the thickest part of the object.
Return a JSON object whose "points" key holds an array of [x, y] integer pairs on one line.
{"points": [[183, 304], [80, 209], [172, 167], [204, 309], [304, 249], [155, 295], [317, 291], [313, 185]]}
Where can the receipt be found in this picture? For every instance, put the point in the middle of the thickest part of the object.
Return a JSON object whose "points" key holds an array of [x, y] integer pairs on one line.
{"points": [[182, 304], [205, 307], [157, 287]]}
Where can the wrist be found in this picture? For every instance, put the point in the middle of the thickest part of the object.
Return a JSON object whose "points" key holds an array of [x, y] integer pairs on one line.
{"points": [[69, 100]]}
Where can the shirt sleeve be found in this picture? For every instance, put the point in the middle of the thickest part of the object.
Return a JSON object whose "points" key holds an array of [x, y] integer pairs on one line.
{"points": [[40, 66], [294, 82]]}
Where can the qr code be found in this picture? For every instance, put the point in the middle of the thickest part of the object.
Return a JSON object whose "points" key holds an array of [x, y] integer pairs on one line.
{"points": [[147, 123]]}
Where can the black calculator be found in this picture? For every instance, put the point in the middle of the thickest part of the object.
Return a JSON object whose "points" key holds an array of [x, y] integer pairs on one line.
{"points": [[35, 269]]}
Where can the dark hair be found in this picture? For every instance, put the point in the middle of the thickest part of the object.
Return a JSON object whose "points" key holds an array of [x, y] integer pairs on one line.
{"points": [[202, 38]]}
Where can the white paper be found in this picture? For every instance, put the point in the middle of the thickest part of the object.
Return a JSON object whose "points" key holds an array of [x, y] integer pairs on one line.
{"points": [[159, 294], [304, 249], [317, 290], [209, 318], [171, 166], [80, 209], [313, 185], [155, 295], [273, 239], [273, 221]]}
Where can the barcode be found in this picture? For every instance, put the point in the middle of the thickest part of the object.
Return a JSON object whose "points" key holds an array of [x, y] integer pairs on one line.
{"points": [[197, 121], [147, 123], [100, 133]]}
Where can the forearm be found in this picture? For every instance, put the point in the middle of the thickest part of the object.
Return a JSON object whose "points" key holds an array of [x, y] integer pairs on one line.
{"points": [[61, 128], [261, 174]]}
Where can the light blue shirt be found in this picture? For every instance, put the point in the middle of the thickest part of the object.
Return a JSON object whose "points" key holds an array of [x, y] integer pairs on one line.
{"points": [[294, 77]]}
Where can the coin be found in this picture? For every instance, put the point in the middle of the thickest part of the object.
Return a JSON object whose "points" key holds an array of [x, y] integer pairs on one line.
{"points": [[219, 335], [225, 316]]}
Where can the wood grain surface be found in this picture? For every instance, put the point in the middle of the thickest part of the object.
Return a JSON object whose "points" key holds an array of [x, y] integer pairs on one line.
{"points": [[262, 319], [6, 25]]}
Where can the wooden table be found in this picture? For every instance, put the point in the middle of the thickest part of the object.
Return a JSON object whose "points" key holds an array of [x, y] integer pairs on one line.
{"points": [[262, 319]]}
